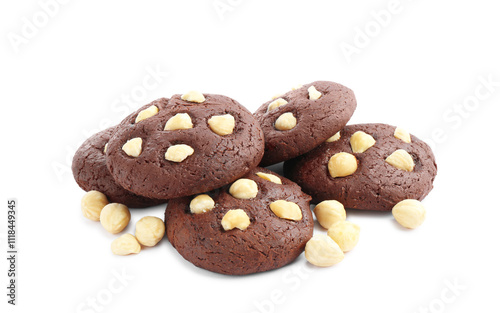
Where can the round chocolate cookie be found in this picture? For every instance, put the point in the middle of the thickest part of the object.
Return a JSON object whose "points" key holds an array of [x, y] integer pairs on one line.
{"points": [[178, 147], [370, 167], [237, 229], [300, 120], [90, 172]]}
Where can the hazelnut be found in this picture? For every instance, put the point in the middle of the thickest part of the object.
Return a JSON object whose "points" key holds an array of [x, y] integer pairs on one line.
{"points": [[313, 93], [115, 217], [402, 160], [92, 204], [201, 204], [235, 219], [133, 147], [342, 164], [222, 124], [146, 113], [286, 209], [125, 245], [402, 134], [285, 121], [178, 153], [329, 212], [361, 141], [270, 177], [345, 234], [193, 96], [276, 103], [409, 213], [244, 188], [149, 231], [334, 138], [321, 250], [179, 121]]}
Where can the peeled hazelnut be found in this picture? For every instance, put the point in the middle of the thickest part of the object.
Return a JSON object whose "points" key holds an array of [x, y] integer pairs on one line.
{"points": [[321, 250], [222, 124], [178, 153], [402, 134], [149, 231], [345, 234], [179, 121], [409, 213], [329, 212], [201, 204], [285, 121], [115, 217], [313, 93], [133, 147], [125, 245], [402, 160], [244, 188], [270, 177], [361, 141], [235, 219], [146, 113], [335, 137], [286, 209], [276, 103], [342, 164], [92, 204], [193, 96]]}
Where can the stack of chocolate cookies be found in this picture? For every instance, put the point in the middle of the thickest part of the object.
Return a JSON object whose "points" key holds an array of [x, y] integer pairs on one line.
{"points": [[202, 152]]}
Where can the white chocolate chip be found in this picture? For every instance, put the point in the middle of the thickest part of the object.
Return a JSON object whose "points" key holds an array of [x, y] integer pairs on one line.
{"points": [[149, 230], [402, 160], [235, 219], [133, 147], [313, 93], [105, 148], [342, 164], [178, 153], [402, 134], [115, 217], [244, 188], [321, 250], [92, 204], [222, 124], [286, 121], [146, 113], [361, 141], [409, 213], [297, 87], [179, 121], [334, 138], [329, 212], [345, 234], [125, 245], [201, 204], [270, 177], [286, 209], [193, 96], [276, 96], [276, 103]]}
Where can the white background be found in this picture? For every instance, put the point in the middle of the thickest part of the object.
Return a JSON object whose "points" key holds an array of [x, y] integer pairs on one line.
{"points": [[68, 77]]}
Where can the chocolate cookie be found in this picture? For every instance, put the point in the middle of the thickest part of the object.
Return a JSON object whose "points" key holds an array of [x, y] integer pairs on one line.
{"points": [[300, 120], [370, 167], [185, 145], [256, 224], [90, 172]]}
